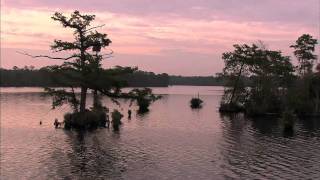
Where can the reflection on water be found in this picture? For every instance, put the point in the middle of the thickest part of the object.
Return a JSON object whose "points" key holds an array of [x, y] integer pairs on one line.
{"points": [[169, 142]]}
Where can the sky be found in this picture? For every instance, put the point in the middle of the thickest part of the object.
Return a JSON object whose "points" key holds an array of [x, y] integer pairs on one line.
{"points": [[180, 37]]}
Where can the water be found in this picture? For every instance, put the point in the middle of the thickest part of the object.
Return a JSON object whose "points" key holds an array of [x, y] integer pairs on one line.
{"points": [[170, 142]]}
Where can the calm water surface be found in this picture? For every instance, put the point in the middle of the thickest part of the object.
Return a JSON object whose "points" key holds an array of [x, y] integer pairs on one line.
{"points": [[170, 142]]}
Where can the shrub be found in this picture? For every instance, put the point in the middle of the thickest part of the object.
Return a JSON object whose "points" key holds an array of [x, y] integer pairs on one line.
{"points": [[87, 120], [196, 103], [144, 97]]}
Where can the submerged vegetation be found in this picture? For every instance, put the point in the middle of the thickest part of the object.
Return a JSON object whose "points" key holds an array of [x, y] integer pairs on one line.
{"points": [[277, 85]]}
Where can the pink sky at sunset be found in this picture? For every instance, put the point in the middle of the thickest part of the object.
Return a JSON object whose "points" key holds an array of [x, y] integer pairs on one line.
{"points": [[185, 37]]}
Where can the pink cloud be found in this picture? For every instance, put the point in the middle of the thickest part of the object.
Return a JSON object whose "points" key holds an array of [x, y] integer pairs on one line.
{"points": [[150, 34]]}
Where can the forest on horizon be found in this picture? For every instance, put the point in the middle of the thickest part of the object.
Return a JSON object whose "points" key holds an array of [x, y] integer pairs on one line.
{"points": [[28, 76]]}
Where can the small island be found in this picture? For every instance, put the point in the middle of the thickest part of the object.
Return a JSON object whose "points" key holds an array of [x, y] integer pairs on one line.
{"points": [[276, 86]]}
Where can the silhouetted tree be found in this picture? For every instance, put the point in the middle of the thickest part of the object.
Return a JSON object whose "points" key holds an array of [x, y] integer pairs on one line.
{"points": [[271, 73], [237, 66], [303, 50], [82, 63]]}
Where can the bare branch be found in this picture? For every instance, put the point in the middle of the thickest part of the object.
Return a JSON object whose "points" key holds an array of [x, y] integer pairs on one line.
{"points": [[103, 56], [94, 27], [45, 56], [108, 55]]}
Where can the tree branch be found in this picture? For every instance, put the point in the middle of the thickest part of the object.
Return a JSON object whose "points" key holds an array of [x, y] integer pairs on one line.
{"points": [[45, 56], [108, 55], [94, 27]]}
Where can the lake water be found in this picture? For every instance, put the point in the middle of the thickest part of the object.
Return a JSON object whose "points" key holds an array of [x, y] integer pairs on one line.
{"points": [[170, 142]]}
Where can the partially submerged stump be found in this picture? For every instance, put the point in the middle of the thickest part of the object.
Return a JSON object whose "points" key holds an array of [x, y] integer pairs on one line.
{"points": [[288, 122], [116, 119]]}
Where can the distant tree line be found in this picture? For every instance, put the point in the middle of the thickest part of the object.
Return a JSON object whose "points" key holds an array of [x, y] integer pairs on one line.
{"points": [[196, 80], [28, 76]]}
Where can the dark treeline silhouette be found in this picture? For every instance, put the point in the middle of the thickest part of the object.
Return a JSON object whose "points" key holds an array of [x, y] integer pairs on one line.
{"points": [[28, 76], [149, 79], [196, 80]]}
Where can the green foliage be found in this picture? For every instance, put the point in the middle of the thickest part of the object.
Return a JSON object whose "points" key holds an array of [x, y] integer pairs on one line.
{"points": [[303, 50]]}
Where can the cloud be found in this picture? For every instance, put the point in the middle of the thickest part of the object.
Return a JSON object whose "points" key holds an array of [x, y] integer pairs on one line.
{"points": [[152, 33], [297, 11]]}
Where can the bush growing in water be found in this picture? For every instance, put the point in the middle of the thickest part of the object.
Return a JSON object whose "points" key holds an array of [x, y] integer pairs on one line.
{"points": [[85, 120], [196, 103], [144, 97], [116, 119]]}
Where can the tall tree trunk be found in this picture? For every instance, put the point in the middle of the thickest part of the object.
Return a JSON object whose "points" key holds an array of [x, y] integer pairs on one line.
{"points": [[83, 99], [235, 87], [317, 102], [96, 102]]}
